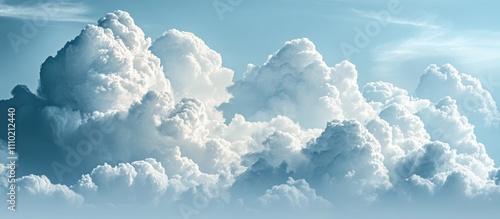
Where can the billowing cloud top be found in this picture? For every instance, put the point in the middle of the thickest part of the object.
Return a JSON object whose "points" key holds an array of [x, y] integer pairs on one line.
{"points": [[107, 67], [473, 100], [121, 124], [194, 69], [297, 83]]}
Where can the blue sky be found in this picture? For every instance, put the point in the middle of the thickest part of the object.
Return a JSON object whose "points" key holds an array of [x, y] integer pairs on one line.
{"points": [[425, 32], [250, 105]]}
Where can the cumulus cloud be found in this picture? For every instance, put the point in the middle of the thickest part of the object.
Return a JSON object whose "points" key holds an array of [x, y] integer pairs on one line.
{"points": [[432, 147], [473, 100], [35, 188], [295, 194], [397, 127], [381, 94], [297, 83], [347, 157], [140, 183], [107, 67], [292, 133], [194, 69], [476, 165], [438, 169]]}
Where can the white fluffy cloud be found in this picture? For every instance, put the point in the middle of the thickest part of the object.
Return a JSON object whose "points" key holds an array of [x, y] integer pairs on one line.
{"points": [[438, 169], [381, 94], [348, 161], [298, 133], [294, 194], [473, 162], [297, 83], [472, 99], [194, 69], [107, 67], [34, 188], [431, 147], [140, 183]]}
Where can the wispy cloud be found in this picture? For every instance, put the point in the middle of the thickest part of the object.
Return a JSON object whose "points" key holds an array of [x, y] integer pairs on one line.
{"points": [[472, 46], [422, 22], [475, 51], [63, 11], [413, 23]]}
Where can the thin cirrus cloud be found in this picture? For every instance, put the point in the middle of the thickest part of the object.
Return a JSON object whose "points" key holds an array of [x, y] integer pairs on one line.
{"points": [[433, 40], [473, 47], [64, 11], [430, 37], [115, 129], [422, 22], [465, 47]]}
